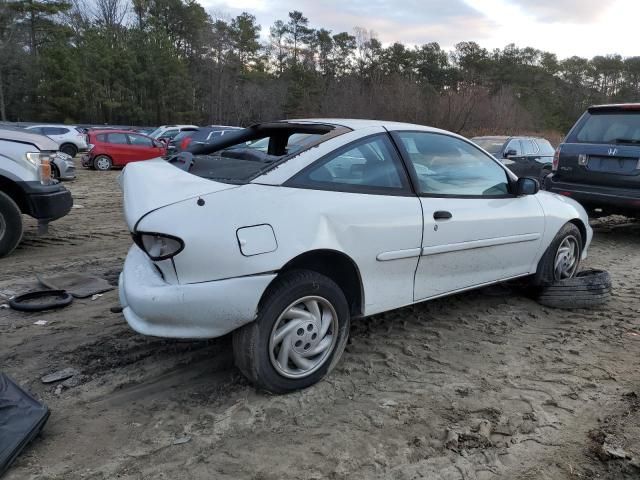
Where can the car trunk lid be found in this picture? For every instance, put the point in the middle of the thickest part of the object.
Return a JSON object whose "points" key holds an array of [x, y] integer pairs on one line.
{"points": [[613, 165], [153, 184]]}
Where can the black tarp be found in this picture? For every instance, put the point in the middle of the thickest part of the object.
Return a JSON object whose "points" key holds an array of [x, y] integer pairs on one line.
{"points": [[21, 419]]}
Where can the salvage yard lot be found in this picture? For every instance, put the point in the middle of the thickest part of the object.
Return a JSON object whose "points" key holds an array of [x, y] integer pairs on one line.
{"points": [[474, 386]]}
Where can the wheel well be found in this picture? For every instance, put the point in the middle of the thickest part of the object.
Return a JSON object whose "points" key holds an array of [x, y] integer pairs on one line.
{"points": [[583, 229], [339, 268], [15, 192], [69, 144]]}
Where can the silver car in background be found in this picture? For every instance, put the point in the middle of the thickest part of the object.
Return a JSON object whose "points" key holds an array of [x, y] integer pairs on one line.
{"points": [[63, 167]]}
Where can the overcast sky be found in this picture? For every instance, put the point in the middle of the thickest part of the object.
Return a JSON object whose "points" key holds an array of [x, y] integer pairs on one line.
{"points": [[565, 27]]}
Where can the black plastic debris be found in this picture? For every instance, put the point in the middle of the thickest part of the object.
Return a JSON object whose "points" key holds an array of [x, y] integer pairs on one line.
{"points": [[21, 419]]}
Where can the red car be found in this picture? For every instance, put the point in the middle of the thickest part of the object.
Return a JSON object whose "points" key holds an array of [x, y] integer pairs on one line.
{"points": [[116, 148]]}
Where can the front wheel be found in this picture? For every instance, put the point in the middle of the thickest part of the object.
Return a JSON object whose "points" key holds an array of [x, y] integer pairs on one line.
{"points": [[562, 258], [299, 335], [10, 225]]}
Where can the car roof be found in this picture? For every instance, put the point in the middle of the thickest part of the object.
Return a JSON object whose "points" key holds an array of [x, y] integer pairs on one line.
{"points": [[504, 137], [357, 124], [614, 107], [115, 130], [56, 125], [14, 134]]}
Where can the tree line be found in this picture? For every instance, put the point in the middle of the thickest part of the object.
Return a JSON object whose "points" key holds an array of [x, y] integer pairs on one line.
{"points": [[150, 62]]}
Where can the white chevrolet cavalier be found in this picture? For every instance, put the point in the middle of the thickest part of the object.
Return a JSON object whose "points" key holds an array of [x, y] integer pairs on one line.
{"points": [[283, 231]]}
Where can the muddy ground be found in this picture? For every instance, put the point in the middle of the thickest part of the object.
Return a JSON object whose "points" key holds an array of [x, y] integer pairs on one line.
{"points": [[480, 385]]}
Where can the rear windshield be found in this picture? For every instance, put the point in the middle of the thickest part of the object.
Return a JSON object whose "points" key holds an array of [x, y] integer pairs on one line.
{"points": [[240, 156], [491, 145], [608, 127]]}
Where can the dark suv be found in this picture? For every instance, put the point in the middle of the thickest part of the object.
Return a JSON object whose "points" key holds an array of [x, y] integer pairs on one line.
{"points": [[524, 156], [598, 164]]}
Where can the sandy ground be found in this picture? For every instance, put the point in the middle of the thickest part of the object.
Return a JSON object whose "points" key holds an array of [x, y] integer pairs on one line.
{"points": [[480, 385]]}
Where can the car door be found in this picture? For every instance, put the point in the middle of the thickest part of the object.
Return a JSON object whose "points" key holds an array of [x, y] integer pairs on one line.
{"points": [[367, 209], [513, 157], [532, 164], [142, 148], [475, 231], [118, 148]]}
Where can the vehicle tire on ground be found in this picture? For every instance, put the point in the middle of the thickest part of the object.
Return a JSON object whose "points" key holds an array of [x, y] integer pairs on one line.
{"points": [[562, 258], [41, 300], [69, 149], [544, 173], [299, 335], [588, 288], [102, 163], [10, 225]]}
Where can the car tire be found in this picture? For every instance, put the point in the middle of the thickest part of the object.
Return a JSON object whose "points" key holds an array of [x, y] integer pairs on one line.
{"points": [[544, 173], [589, 288], [102, 163], [10, 225], [304, 312], [69, 149], [547, 271]]}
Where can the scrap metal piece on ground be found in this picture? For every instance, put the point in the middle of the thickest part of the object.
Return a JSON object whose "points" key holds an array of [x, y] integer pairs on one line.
{"points": [[59, 375], [22, 419], [77, 284]]}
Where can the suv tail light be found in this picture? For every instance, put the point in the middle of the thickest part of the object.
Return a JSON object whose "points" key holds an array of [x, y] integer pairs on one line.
{"points": [[185, 143], [158, 246], [556, 159], [42, 161]]}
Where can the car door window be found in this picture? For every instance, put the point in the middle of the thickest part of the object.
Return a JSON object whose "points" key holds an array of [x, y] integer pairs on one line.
{"points": [[118, 138], [367, 166], [448, 166], [169, 134], [140, 141], [515, 146], [529, 147]]}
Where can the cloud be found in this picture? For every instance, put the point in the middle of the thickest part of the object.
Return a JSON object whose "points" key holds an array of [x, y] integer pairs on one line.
{"points": [[408, 21], [564, 11]]}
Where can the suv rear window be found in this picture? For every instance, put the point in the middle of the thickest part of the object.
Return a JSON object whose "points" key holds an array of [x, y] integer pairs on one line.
{"points": [[608, 127], [545, 147]]}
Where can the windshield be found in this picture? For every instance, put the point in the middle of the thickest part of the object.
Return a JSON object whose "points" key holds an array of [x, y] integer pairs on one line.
{"points": [[156, 132], [618, 127], [491, 145]]}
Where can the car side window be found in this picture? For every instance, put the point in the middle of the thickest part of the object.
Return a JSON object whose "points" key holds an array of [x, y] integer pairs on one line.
{"points": [[448, 166], [545, 147], [140, 141], [529, 147], [169, 133], [370, 165], [514, 145], [101, 137], [36, 130], [118, 138]]}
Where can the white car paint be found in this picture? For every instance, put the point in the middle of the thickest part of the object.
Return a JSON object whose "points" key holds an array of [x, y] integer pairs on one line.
{"points": [[237, 237], [62, 134], [161, 130]]}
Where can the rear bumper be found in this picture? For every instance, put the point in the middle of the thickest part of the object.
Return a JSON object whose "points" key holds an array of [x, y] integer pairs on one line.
{"points": [[152, 306], [596, 196], [46, 202]]}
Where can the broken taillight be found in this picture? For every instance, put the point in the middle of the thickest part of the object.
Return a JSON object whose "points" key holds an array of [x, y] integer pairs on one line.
{"points": [[185, 143], [556, 159]]}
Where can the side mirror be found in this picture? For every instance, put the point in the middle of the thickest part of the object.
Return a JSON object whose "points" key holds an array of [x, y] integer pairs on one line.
{"points": [[158, 144], [527, 186], [510, 153]]}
